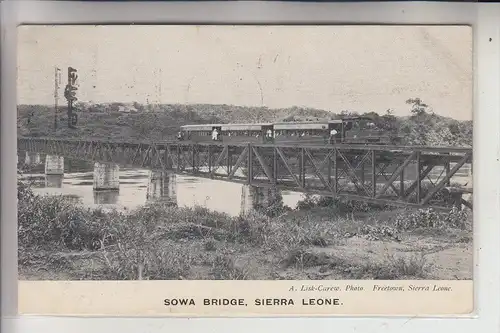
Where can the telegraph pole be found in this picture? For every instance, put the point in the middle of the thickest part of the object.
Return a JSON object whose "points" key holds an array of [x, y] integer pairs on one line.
{"points": [[56, 95], [70, 94]]}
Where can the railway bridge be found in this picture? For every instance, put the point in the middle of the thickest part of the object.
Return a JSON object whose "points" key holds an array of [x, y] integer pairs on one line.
{"points": [[409, 176]]}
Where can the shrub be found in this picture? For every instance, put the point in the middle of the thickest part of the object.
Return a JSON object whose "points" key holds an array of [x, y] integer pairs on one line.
{"points": [[300, 258], [224, 268], [132, 262], [210, 245], [429, 218], [395, 268], [48, 222], [340, 205]]}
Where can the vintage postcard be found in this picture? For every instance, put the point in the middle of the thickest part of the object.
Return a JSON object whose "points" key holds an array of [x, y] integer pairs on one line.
{"points": [[219, 170]]}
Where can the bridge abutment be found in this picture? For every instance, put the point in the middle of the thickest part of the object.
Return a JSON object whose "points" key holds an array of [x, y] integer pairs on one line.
{"points": [[106, 177], [54, 165], [162, 186], [255, 198]]}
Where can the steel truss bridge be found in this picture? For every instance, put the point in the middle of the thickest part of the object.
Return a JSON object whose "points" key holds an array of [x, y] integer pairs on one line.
{"points": [[392, 175]]}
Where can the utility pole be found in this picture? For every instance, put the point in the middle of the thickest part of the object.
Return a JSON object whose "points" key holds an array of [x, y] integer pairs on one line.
{"points": [[57, 81], [70, 94]]}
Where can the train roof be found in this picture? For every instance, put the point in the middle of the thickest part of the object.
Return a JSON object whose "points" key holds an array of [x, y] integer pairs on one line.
{"points": [[301, 125], [277, 126], [226, 127], [200, 127], [244, 127]]}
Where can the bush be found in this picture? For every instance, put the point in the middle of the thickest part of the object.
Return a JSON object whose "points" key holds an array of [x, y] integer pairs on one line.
{"points": [[393, 268], [429, 218], [340, 205], [54, 222], [225, 268], [165, 242], [149, 261]]}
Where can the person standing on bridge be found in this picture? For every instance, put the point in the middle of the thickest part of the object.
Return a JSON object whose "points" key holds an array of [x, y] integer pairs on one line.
{"points": [[333, 133], [215, 134]]}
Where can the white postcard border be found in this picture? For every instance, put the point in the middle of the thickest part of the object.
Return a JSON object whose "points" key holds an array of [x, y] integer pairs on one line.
{"points": [[485, 21]]}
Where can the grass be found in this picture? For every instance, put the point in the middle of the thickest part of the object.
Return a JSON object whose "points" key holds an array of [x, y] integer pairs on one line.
{"points": [[60, 239], [391, 268]]}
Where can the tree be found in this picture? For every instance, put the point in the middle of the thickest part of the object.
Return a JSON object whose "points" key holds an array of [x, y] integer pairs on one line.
{"points": [[288, 119], [417, 106], [139, 107], [388, 121], [346, 113]]}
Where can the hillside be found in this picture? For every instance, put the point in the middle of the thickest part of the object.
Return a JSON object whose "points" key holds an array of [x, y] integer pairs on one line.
{"points": [[161, 122]]}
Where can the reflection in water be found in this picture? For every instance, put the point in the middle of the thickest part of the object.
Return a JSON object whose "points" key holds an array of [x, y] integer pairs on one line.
{"points": [[140, 187], [54, 181], [106, 197], [162, 187], [182, 191]]}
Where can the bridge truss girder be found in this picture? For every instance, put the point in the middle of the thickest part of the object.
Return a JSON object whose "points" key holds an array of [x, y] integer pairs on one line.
{"points": [[399, 176]]}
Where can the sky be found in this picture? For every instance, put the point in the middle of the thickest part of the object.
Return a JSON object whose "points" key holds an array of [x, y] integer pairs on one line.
{"points": [[335, 68]]}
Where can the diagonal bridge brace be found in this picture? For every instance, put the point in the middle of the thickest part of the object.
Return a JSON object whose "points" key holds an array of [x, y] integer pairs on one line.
{"points": [[447, 177], [219, 159], [264, 166], [318, 173], [351, 172], [396, 174], [239, 163], [289, 169]]}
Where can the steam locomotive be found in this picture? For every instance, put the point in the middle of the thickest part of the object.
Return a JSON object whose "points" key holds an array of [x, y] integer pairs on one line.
{"points": [[352, 130]]}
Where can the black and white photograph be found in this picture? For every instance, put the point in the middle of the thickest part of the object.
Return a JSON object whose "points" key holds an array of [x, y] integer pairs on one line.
{"points": [[247, 152]]}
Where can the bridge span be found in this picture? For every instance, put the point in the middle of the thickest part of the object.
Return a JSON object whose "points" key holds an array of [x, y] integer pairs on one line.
{"points": [[410, 176]]}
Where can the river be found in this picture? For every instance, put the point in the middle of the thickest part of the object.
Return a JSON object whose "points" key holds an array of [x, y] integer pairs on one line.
{"points": [[77, 182], [216, 195]]}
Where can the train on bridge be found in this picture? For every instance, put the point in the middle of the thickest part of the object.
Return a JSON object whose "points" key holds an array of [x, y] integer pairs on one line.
{"points": [[351, 130]]}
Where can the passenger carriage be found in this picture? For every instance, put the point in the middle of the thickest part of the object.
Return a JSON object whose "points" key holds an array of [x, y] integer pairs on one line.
{"points": [[251, 133], [198, 133], [233, 133], [308, 133], [352, 130]]}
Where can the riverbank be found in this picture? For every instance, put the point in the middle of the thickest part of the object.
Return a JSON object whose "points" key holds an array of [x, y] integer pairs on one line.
{"points": [[60, 240]]}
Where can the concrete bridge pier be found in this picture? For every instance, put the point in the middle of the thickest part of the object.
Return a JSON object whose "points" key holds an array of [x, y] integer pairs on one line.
{"points": [[54, 165], [32, 159], [106, 177], [162, 186], [258, 198], [106, 183], [54, 171]]}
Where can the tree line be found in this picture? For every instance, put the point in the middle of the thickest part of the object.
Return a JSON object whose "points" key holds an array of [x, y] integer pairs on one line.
{"points": [[162, 121]]}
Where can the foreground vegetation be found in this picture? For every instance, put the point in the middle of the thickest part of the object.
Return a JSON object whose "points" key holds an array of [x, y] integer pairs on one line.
{"points": [[161, 122], [60, 239]]}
